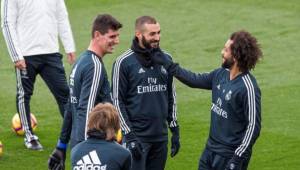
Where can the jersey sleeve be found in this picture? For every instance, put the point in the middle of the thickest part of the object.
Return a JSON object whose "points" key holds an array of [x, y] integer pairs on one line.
{"points": [[64, 27], [91, 83], [191, 79], [252, 107], [66, 129], [119, 87], [172, 106], [9, 15]]}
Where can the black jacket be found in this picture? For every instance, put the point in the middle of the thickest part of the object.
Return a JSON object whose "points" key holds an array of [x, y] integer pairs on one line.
{"points": [[144, 94]]}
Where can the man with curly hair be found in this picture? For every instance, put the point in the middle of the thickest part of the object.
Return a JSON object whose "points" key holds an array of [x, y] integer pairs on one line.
{"points": [[236, 102]]}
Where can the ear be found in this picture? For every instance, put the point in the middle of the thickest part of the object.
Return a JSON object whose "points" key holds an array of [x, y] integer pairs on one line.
{"points": [[138, 34], [97, 34], [234, 59]]}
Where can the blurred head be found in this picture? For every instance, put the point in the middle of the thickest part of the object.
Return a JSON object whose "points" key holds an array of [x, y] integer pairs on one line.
{"points": [[241, 50], [147, 30], [105, 32], [105, 119]]}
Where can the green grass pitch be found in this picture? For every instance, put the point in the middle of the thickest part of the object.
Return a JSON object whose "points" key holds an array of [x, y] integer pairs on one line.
{"points": [[194, 32]]}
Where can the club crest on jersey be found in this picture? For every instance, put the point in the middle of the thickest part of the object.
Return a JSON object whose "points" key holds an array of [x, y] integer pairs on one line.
{"points": [[228, 95], [163, 70], [218, 86], [141, 70]]}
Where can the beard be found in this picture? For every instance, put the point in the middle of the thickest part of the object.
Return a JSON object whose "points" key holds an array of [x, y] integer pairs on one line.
{"points": [[147, 44], [228, 63]]}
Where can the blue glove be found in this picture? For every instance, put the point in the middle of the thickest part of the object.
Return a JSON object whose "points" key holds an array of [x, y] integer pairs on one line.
{"points": [[175, 143], [134, 145], [235, 163]]}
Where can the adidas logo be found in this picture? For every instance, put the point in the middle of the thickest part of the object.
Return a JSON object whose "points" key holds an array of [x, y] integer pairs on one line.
{"points": [[89, 161], [141, 71]]}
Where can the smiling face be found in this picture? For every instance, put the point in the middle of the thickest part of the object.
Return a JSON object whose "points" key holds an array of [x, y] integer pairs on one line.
{"points": [[227, 58], [149, 35], [107, 41]]}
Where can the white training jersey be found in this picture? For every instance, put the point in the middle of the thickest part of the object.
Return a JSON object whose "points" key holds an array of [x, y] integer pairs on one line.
{"points": [[32, 27]]}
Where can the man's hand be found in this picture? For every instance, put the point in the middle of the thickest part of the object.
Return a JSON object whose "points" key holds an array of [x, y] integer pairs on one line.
{"points": [[71, 57], [175, 143], [57, 159], [235, 163], [20, 64], [158, 57], [134, 145]]}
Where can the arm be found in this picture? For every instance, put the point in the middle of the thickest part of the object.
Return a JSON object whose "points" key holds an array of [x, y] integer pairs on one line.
{"points": [[91, 83], [172, 107], [194, 80], [188, 78], [64, 29], [252, 107], [119, 87], [172, 117], [66, 127], [9, 15], [58, 156]]}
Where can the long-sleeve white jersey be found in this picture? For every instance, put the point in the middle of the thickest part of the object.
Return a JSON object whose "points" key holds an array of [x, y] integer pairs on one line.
{"points": [[32, 27]]}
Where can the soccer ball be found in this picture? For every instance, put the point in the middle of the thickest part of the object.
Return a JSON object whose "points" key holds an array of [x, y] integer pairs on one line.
{"points": [[17, 125], [119, 136], [1, 149]]}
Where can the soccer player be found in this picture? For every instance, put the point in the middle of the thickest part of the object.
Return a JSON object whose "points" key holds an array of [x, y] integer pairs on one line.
{"points": [[88, 86], [100, 150], [236, 102], [144, 95], [31, 30]]}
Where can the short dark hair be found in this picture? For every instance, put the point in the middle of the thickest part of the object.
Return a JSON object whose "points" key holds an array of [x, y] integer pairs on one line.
{"points": [[104, 22], [140, 21], [104, 118], [245, 50]]}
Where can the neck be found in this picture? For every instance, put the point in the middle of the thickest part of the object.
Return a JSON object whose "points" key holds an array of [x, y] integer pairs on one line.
{"points": [[96, 49], [141, 45], [234, 72]]}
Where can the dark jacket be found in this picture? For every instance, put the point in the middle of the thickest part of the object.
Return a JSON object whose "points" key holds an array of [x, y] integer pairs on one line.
{"points": [[144, 94]]}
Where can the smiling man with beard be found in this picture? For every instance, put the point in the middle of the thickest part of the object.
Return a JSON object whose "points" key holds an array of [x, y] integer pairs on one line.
{"points": [[144, 95], [236, 102]]}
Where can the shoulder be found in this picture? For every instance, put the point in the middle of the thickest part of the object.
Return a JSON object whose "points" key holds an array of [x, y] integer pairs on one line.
{"points": [[221, 70], [77, 148], [89, 61], [250, 83], [125, 61], [125, 57], [167, 54], [219, 73]]}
